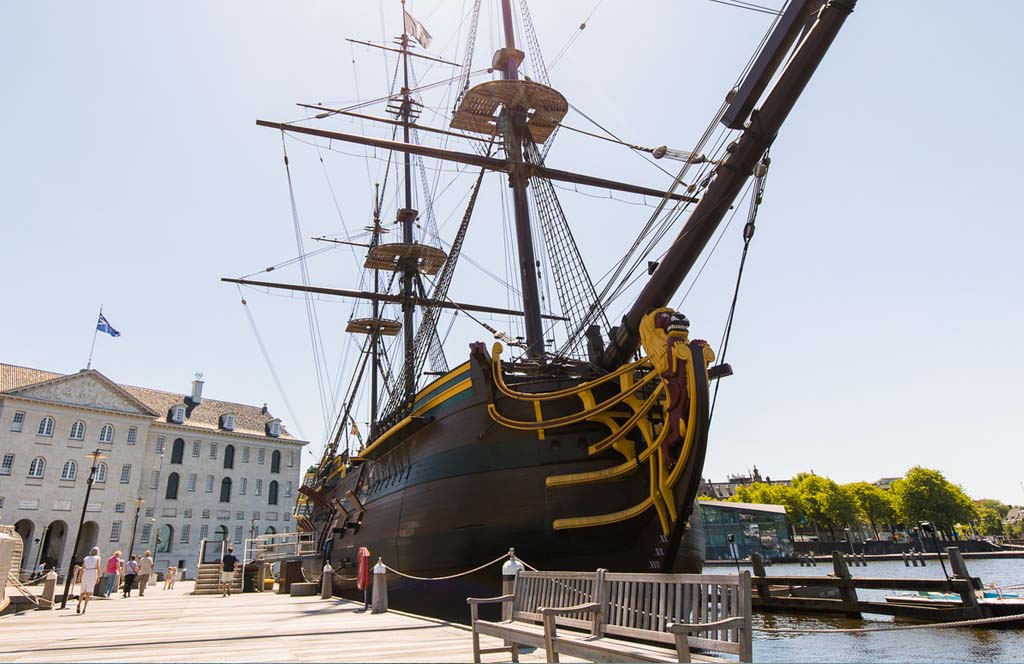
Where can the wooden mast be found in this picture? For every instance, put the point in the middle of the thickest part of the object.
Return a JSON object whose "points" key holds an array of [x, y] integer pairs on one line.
{"points": [[375, 339], [743, 155], [512, 125], [407, 215]]}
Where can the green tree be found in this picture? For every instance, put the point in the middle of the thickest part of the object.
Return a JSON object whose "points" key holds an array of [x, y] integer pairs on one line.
{"points": [[990, 515], [762, 493], [926, 495], [826, 503], [874, 504]]}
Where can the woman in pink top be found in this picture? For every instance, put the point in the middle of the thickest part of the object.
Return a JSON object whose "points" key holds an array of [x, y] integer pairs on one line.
{"points": [[112, 569]]}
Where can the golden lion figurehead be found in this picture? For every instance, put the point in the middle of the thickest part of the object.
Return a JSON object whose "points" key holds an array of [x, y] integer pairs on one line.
{"points": [[656, 329]]}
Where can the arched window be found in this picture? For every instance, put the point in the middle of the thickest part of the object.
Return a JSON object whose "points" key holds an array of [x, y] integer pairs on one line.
{"points": [[172, 487], [69, 471], [164, 538], [270, 531], [45, 426], [177, 450], [221, 533], [77, 430], [37, 467], [275, 462], [225, 490], [107, 434], [272, 493], [101, 473], [229, 457]]}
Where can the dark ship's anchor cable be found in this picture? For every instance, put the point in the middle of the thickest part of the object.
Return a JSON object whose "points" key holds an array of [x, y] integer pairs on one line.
{"points": [[760, 176]]}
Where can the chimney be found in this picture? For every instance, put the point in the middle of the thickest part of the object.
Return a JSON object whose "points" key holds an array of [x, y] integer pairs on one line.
{"points": [[197, 390], [264, 411]]}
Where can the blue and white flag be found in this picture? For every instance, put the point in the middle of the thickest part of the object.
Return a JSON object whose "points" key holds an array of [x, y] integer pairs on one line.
{"points": [[104, 326]]}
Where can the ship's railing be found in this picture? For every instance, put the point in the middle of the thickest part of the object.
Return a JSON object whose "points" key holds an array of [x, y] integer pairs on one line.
{"points": [[278, 546]]}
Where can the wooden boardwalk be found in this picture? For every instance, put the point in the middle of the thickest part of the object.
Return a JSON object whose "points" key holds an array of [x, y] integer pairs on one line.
{"points": [[173, 626]]}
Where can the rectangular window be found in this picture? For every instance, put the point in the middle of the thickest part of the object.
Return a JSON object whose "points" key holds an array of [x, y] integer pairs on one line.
{"points": [[288, 490], [188, 514], [159, 444], [192, 482], [195, 448], [146, 530], [149, 512], [19, 421], [119, 508], [245, 455], [126, 473], [206, 514], [179, 414], [1, 502], [209, 484], [133, 433], [259, 487], [239, 515], [154, 479], [291, 459], [204, 530], [115, 531], [255, 516], [238, 534], [184, 534], [260, 453], [242, 486], [7, 465], [213, 450]]}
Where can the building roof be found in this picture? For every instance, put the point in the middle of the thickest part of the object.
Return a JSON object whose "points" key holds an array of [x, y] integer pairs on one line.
{"points": [[250, 420], [750, 507]]}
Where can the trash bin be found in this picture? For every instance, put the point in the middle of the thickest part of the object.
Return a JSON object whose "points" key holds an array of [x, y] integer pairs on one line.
{"points": [[249, 573]]}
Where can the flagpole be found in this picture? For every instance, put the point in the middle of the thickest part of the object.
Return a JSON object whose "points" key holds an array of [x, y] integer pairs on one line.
{"points": [[95, 331]]}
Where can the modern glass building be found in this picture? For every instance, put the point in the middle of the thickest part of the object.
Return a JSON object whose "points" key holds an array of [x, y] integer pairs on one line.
{"points": [[762, 529]]}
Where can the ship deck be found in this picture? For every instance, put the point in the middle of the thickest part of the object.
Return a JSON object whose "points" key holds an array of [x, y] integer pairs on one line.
{"points": [[174, 626]]}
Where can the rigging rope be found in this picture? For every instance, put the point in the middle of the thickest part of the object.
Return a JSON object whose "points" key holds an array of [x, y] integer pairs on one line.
{"points": [[760, 174]]}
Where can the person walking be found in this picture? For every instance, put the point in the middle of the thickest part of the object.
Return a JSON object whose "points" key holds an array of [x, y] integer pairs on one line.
{"points": [[145, 571], [131, 571], [112, 571], [90, 574], [227, 574]]}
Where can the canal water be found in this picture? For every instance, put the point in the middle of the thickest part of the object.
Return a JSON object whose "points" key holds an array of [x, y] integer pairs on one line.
{"points": [[919, 645]]}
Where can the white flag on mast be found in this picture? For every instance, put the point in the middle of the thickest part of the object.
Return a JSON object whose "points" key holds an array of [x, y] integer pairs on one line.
{"points": [[416, 29]]}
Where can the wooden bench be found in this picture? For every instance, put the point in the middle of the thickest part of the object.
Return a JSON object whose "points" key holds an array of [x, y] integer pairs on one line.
{"points": [[614, 617]]}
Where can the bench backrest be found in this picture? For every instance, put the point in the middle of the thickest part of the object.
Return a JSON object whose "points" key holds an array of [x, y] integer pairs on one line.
{"points": [[640, 605], [534, 590]]}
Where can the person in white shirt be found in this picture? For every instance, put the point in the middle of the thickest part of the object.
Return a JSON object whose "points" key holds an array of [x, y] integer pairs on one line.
{"points": [[90, 574], [145, 572]]}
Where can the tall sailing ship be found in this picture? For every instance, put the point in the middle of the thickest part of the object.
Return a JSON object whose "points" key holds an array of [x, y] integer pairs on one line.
{"points": [[580, 443]]}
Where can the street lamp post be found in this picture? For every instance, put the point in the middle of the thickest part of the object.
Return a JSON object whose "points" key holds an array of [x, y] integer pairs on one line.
{"points": [[138, 506], [927, 527], [849, 540], [96, 456], [732, 550]]}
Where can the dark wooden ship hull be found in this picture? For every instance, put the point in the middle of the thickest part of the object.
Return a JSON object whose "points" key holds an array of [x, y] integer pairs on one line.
{"points": [[455, 490]]}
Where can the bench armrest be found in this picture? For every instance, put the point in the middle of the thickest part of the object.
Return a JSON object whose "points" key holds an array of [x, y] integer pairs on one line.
{"points": [[566, 610], [474, 601], [687, 628]]}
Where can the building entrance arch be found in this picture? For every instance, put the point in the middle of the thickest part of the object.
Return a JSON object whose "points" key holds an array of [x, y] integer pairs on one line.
{"points": [[53, 543], [90, 538]]}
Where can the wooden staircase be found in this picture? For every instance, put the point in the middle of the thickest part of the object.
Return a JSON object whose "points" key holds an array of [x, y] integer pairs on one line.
{"points": [[208, 580]]}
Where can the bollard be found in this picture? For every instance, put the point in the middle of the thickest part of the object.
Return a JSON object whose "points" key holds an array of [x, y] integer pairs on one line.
{"points": [[49, 588], [920, 556], [509, 570], [380, 588], [906, 563], [327, 582]]}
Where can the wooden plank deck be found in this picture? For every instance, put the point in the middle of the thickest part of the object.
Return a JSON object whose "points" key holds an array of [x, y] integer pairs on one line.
{"points": [[173, 626]]}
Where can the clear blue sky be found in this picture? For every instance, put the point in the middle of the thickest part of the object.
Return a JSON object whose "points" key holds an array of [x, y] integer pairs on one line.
{"points": [[879, 322]]}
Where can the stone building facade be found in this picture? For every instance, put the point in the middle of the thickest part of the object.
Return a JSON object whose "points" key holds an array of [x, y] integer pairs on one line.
{"points": [[196, 467]]}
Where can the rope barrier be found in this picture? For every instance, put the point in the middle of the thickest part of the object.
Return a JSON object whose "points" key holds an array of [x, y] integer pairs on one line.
{"points": [[502, 557], [896, 628]]}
